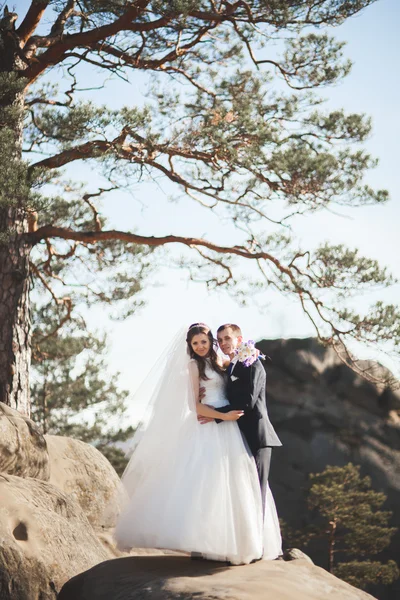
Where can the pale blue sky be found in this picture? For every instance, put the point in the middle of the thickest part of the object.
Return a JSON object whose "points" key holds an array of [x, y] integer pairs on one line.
{"points": [[373, 88]]}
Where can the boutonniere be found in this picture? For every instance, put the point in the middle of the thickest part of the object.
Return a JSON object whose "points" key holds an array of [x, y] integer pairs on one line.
{"points": [[247, 353]]}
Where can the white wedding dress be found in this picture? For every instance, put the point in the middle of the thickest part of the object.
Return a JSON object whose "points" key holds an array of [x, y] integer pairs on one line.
{"points": [[199, 492]]}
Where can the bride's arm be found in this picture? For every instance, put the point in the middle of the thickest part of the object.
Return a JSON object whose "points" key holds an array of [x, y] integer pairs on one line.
{"points": [[203, 409]]}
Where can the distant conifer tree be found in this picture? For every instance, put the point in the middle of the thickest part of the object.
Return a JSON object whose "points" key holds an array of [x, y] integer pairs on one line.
{"points": [[348, 517]]}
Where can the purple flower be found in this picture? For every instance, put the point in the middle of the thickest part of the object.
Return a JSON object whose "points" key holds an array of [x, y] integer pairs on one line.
{"points": [[249, 361], [247, 353]]}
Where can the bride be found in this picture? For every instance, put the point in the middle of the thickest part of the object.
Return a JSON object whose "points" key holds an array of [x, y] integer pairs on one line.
{"points": [[190, 487]]}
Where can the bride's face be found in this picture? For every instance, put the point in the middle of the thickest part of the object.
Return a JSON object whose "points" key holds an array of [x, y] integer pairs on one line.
{"points": [[200, 344]]}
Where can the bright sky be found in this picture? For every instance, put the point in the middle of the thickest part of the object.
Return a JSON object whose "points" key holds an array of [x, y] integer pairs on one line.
{"points": [[372, 88]]}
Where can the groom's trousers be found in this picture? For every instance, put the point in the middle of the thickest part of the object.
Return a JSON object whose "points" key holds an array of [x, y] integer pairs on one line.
{"points": [[263, 462]]}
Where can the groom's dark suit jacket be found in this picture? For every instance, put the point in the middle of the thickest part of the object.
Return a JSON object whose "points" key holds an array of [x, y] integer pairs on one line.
{"points": [[246, 390]]}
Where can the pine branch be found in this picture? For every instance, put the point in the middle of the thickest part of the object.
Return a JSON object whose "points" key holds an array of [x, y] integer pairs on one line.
{"points": [[159, 63], [57, 29], [32, 19], [58, 48], [49, 231]]}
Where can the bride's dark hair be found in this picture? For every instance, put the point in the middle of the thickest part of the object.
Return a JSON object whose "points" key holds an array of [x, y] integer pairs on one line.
{"points": [[196, 329]]}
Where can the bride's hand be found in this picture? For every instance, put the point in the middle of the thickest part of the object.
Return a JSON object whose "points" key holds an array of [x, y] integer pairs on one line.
{"points": [[232, 415]]}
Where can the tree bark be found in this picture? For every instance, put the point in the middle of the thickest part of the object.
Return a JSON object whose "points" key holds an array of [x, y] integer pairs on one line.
{"points": [[332, 542], [15, 323]]}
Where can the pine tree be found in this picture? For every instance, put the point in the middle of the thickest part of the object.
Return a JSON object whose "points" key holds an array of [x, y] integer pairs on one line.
{"points": [[347, 517], [72, 392], [218, 127]]}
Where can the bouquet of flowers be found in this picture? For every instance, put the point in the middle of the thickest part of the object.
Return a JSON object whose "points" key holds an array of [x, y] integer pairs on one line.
{"points": [[247, 353]]}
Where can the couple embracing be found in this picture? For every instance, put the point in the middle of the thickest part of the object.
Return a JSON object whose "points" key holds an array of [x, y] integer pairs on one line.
{"points": [[197, 480]]}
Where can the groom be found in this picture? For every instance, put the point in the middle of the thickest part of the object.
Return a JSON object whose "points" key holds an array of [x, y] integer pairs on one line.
{"points": [[246, 390]]}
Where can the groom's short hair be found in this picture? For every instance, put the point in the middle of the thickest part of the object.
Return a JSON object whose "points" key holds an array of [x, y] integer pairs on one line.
{"points": [[235, 328]]}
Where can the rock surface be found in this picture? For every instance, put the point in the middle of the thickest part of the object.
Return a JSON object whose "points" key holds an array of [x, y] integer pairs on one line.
{"points": [[296, 554], [23, 449], [177, 577], [45, 539], [83, 472]]}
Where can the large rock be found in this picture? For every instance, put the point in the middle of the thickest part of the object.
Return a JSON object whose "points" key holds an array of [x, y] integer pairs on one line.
{"points": [[45, 539], [74, 467], [83, 472], [23, 449], [177, 577]]}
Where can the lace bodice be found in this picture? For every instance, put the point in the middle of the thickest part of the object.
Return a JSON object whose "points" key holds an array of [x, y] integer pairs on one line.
{"points": [[215, 388]]}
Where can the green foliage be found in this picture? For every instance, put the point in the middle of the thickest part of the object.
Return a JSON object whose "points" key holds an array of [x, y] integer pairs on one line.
{"points": [[367, 572], [16, 188], [300, 54], [342, 497], [72, 392], [339, 266], [180, 7], [348, 517]]}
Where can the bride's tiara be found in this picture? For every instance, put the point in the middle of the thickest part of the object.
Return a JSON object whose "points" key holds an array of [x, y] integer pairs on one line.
{"points": [[197, 325]]}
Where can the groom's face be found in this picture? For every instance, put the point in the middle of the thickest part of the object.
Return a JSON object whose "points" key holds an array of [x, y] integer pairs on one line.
{"points": [[228, 341]]}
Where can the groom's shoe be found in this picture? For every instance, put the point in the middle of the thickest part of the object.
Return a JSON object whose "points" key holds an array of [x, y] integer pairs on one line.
{"points": [[196, 556]]}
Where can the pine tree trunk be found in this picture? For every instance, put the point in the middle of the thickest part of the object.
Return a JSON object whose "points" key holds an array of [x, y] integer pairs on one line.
{"points": [[332, 542], [45, 408], [15, 326]]}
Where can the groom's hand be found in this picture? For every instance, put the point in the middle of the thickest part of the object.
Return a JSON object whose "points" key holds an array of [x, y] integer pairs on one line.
{"points": [[204, 420], [202, 393]]}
